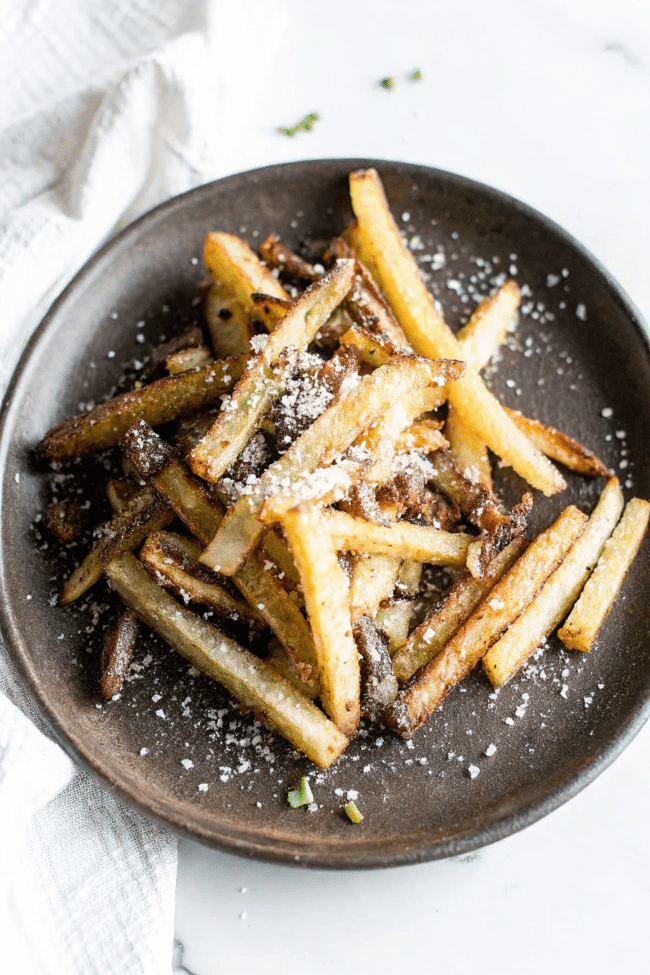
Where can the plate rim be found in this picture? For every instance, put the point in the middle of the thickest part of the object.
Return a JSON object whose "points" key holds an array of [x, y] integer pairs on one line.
{"points": [[277, 849]]}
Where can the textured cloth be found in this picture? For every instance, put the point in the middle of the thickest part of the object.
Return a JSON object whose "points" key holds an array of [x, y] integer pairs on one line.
{"points": [[108, 108]]}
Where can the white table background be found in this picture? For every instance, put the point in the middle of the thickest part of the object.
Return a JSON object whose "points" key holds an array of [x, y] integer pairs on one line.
{"points": [[548, 100]]}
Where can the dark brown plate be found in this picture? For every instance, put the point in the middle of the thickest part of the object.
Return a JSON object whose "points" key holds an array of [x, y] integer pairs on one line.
{"points": [[418, 802]]}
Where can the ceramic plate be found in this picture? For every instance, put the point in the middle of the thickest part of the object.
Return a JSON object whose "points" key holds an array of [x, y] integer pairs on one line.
{"points": [[579, 361]]}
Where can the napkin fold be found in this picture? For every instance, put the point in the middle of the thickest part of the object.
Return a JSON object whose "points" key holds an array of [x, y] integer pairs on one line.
{"points": [[109, 107]]}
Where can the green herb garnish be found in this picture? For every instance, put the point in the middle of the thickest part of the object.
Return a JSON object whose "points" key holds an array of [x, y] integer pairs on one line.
{"points": [[417, 75], [302, 796], [305, 124], [387, 82], [352, 812]]}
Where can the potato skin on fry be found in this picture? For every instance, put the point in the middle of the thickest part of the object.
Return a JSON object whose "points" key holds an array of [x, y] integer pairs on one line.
{"points": [[160, 402]]}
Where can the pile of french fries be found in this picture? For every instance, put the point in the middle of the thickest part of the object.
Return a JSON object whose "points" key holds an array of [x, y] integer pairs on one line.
{"points": [[333, 439]]}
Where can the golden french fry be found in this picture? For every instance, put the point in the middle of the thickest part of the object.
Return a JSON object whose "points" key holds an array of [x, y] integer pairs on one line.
{"points": [[143, 514], [502, 605], [401, 540], [469, 453], [159, 402], [253, 682], [603, 586], [428, 334], [484, 333], [428, 639], [372, 579], [326, 598], [560, 447], [260, 385], [235, 266], [173, 562], [328, 436], [557, 595]]}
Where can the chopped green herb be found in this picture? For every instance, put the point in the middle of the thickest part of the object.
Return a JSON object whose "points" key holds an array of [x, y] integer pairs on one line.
{"points": [[387, 82], [302, 796], [352, 812], [417, 75], [305, 124]]}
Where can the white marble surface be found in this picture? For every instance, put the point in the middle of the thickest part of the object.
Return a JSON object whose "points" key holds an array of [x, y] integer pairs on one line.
{"points": [[548, 100]]}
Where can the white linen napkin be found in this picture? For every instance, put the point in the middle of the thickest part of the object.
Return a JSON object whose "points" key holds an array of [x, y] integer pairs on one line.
{"points": [[108, 107]]}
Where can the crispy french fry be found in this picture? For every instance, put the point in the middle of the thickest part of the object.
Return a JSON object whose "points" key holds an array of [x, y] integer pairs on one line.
{"points": [[558, 594], [272, 602], [503, 604], [252, 681], [382, 436], [292, 268], [228, 322], [330, 435], [277, 550], [143, 514], [117, 654], [190, 338], [428, 334], [160, 402], [603, 586], [154, 461], [234, 265], [259, 386], [271, 308], [326, 597], [326, 486], [560, 447], [174, 563], [428, 639], [484, 333], [402, 540]]}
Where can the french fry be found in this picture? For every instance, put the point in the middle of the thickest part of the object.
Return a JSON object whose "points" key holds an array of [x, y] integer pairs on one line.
{"points": [[160, 402], [560, 447], [272, 602], [173, 561], [401, 540], [143, 514], [271, 308], [291, 267], [381, 437], [117, 654], [119, 493], [428, 639], [604, 584], [503, 604], [326, 597], [372, 350], [228, 323], [189, 338], [484, 333], [428, 334], [258, 387], [558, 594], [277, 550], [328, 436], [154, 461], [235, 266], [326, 486], [253, 682]]}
